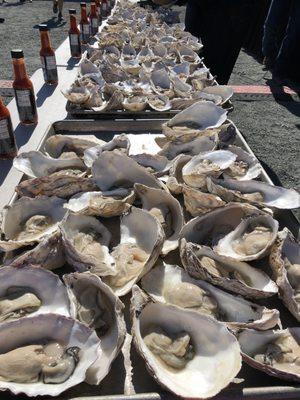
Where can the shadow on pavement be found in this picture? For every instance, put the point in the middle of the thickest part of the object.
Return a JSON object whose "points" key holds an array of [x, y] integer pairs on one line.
{"points": [[283, 98], [5, 168], [44, 92], [13, 4], [271, 173], [52, 23]]}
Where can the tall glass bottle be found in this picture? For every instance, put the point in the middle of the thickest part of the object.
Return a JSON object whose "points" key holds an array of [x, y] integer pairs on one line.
{"points": [[104, 8], [84, 24], [94, 20], [47, 55], [8, 148], [24, 91], [98, 8], [74, 35]]}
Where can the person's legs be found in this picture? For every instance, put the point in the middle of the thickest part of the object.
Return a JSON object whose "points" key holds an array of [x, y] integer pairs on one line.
{"points": [[274, 29], [60, 8], [288, 61], [55, 8]]}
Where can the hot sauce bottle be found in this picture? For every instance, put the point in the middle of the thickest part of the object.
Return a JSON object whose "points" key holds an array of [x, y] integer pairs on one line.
{"points": [[47, 57], [74, 35], [98, 8], [84, 24], [104, 8], [8, 148], [24, 91], [94, 21]]}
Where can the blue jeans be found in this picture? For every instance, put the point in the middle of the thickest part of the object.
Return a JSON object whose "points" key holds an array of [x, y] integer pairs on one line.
{"points": [[281, 41]]}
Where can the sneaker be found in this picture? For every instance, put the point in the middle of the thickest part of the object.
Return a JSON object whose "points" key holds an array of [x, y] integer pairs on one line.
{"points": [[60, 17], [55, 9], [2, 20], [268, 63]]}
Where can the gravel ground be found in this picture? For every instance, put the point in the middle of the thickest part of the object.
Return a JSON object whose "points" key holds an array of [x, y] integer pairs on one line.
{"points": [[270, 127]]}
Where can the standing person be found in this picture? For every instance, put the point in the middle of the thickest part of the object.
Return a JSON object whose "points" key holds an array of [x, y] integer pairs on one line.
{"points": [[58, 6], [281, 40], [222, 26]]}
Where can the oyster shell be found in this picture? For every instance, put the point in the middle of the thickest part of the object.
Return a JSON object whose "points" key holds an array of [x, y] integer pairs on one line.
{"points": [[86, 241], [251, 239], [285, 262], [135, 103], [35, 164], [198, 203], [170, 342], [57, 145], [166, 209], [29, 291], [254, 192], [175, 181], [97, 204], [276, 353], [94, 304], [210, 163], [158, 164], [159, 102], [239, 277], [140, 244], [77, 94], [171, 284], [58, 184], [224, 91], [74, 348], [114, 170], [28, 221]]}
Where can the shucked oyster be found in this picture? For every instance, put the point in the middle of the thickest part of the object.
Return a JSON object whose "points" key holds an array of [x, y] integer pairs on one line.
{"points": [[285, 262], [166, 209], [86, 242], [239, 277], [45, 355], [171, 284], [30, 291], [276, 353], [197, 202], [176, 344], [27, 221], [245, 167], [94, 304]]}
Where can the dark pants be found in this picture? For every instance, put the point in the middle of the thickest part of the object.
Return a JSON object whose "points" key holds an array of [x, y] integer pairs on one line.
{"points": [[281, 41], [222, 26]]}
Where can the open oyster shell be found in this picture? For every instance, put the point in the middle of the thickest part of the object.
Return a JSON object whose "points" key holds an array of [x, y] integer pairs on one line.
{"points": [[114, 170], [30, 291], [86, 241], [171, 284], [251, 239], [35, 164], [239, 277], [245, 167], [285, 262], [97, 204], [274, 352], [207, 356], [224, 91], [47, 328], [254, 192], [57, 145], [28, 221], [167, 209], [94, 304], [197, 202]]}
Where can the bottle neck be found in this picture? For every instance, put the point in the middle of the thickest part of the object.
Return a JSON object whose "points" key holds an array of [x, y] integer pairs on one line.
{"points": [[73, 23], [93, 10], [97, 2], [19, 69], [83, 14], [45, 40]]}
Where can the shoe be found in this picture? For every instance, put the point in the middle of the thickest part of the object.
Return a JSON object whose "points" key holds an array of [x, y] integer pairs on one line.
{"points": [[60, 17], [268, 63], [2, 20], [55, 9]]}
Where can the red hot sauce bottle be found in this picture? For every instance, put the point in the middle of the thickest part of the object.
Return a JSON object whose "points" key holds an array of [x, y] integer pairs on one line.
{"points": [[84, 24], [47, 55], [98, 8], [24, 91], [94, 20], [74, 35], [8, 148]]}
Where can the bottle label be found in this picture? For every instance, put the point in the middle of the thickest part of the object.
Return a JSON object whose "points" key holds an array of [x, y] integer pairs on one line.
{"points": [[95, 23], [7, 139], [86, 29], [75, 46], [74, 39], [26, 105], [104, 6], [49, 68]]}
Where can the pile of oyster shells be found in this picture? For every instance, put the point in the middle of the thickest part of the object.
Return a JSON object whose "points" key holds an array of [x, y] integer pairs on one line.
{"points": [[141, 62], [178, 221]]}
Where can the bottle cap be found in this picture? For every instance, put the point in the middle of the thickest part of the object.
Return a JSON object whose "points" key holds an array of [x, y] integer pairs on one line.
{"points": [[72, 11], [82, 4], [17, 53], [43, 27]]}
